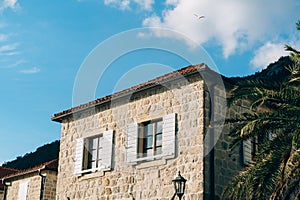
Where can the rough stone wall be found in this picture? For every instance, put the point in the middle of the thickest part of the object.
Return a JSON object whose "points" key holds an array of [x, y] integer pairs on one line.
{"points": [[33, 193], [228, 163], [50, 186], [34, 186], [147, 180], [221, 164]]}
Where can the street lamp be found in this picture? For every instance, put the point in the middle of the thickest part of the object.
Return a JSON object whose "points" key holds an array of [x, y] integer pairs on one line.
{"points": [[179, 185]]}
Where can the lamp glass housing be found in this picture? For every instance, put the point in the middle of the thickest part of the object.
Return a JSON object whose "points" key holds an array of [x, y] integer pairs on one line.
{"points": [[179, 185]]}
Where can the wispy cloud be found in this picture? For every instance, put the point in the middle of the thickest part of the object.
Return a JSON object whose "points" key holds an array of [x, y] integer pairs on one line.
{"points": [[232, 25], [128, 4], [33, 70], [6, 64], [12, 4], [8, 48]]}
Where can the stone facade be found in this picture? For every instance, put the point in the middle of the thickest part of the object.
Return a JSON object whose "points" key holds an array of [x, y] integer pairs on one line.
{"points": [[148, 179], [50, 186], [5, 171], [33, 183], [188, 98]]}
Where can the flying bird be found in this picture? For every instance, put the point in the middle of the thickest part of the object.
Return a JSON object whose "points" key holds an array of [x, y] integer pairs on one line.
{"points": [[199, 17]]}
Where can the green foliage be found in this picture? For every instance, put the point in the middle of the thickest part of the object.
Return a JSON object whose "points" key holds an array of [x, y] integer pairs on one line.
{"points": [[274, 108], [42, 154]]}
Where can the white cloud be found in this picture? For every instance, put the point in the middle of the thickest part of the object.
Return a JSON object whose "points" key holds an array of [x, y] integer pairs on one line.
{"points": [[121, 4], [8, 48], [145, 4], [232, 24], [33, 70], [172, 2], [126, 4], [267, 54], [271, 52], [12, 4]]}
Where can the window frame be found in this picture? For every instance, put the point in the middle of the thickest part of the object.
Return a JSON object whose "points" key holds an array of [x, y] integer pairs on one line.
{"points": [[143, 139], [169, 141], [80, 167], [87, 158]]}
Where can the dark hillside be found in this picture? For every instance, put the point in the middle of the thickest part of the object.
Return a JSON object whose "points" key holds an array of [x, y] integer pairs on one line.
{"points": [[275, 72], [41, 155]]}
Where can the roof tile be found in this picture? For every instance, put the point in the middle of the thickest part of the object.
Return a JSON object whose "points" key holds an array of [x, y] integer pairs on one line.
{"points": [[181, 72]]}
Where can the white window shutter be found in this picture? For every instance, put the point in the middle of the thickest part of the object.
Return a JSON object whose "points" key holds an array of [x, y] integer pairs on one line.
{"points": [[107, 149], [131, 142], [78, 156], [23, 189], [247, 156], [168, 135]]}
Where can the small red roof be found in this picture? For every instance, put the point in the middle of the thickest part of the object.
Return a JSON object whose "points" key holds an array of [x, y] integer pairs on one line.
{"points": [[50, 165], [4, 171]]}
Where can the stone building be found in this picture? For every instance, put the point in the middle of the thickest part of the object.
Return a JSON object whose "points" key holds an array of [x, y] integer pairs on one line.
{"points": [[131, 144], [4, 171], [37, 183]]}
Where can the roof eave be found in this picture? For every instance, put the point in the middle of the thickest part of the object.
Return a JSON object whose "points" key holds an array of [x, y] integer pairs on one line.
{"points": [[63, 116]]}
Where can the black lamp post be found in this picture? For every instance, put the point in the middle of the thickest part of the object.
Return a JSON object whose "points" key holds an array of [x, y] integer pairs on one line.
{"points": [[179, 185]]}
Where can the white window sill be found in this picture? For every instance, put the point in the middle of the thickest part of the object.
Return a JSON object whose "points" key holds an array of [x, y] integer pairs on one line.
{"points": [[94, 174]]}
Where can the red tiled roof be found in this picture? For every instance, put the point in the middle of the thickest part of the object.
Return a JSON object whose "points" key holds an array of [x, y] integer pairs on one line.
{"points": [[176, 74], [4, 171], [50, 165]]}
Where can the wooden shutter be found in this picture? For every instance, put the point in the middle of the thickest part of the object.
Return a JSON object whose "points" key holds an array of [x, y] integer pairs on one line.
{"points": [[23, 189], [168, 135], [247, 151], [131, 142], [78, 156], [107, 149]]}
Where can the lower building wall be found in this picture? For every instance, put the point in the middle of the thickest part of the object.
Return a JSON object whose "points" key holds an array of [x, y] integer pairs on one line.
{"points": [[33, 181], [33, 192], [50, 186]]}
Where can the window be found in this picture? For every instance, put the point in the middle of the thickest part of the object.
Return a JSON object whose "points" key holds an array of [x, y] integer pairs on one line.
{"points": [[93, 153], [151, 139], [252, 146]]}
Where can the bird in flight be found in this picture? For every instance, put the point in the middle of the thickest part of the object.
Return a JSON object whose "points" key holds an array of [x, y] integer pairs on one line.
{"points": [[199, 17]]}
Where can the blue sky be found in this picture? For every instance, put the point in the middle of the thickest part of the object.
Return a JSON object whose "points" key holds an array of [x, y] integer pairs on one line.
{"points": [[44, 43]]}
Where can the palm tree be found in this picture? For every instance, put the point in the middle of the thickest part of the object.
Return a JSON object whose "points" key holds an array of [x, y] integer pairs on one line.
{"points": [[274, 108]]}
